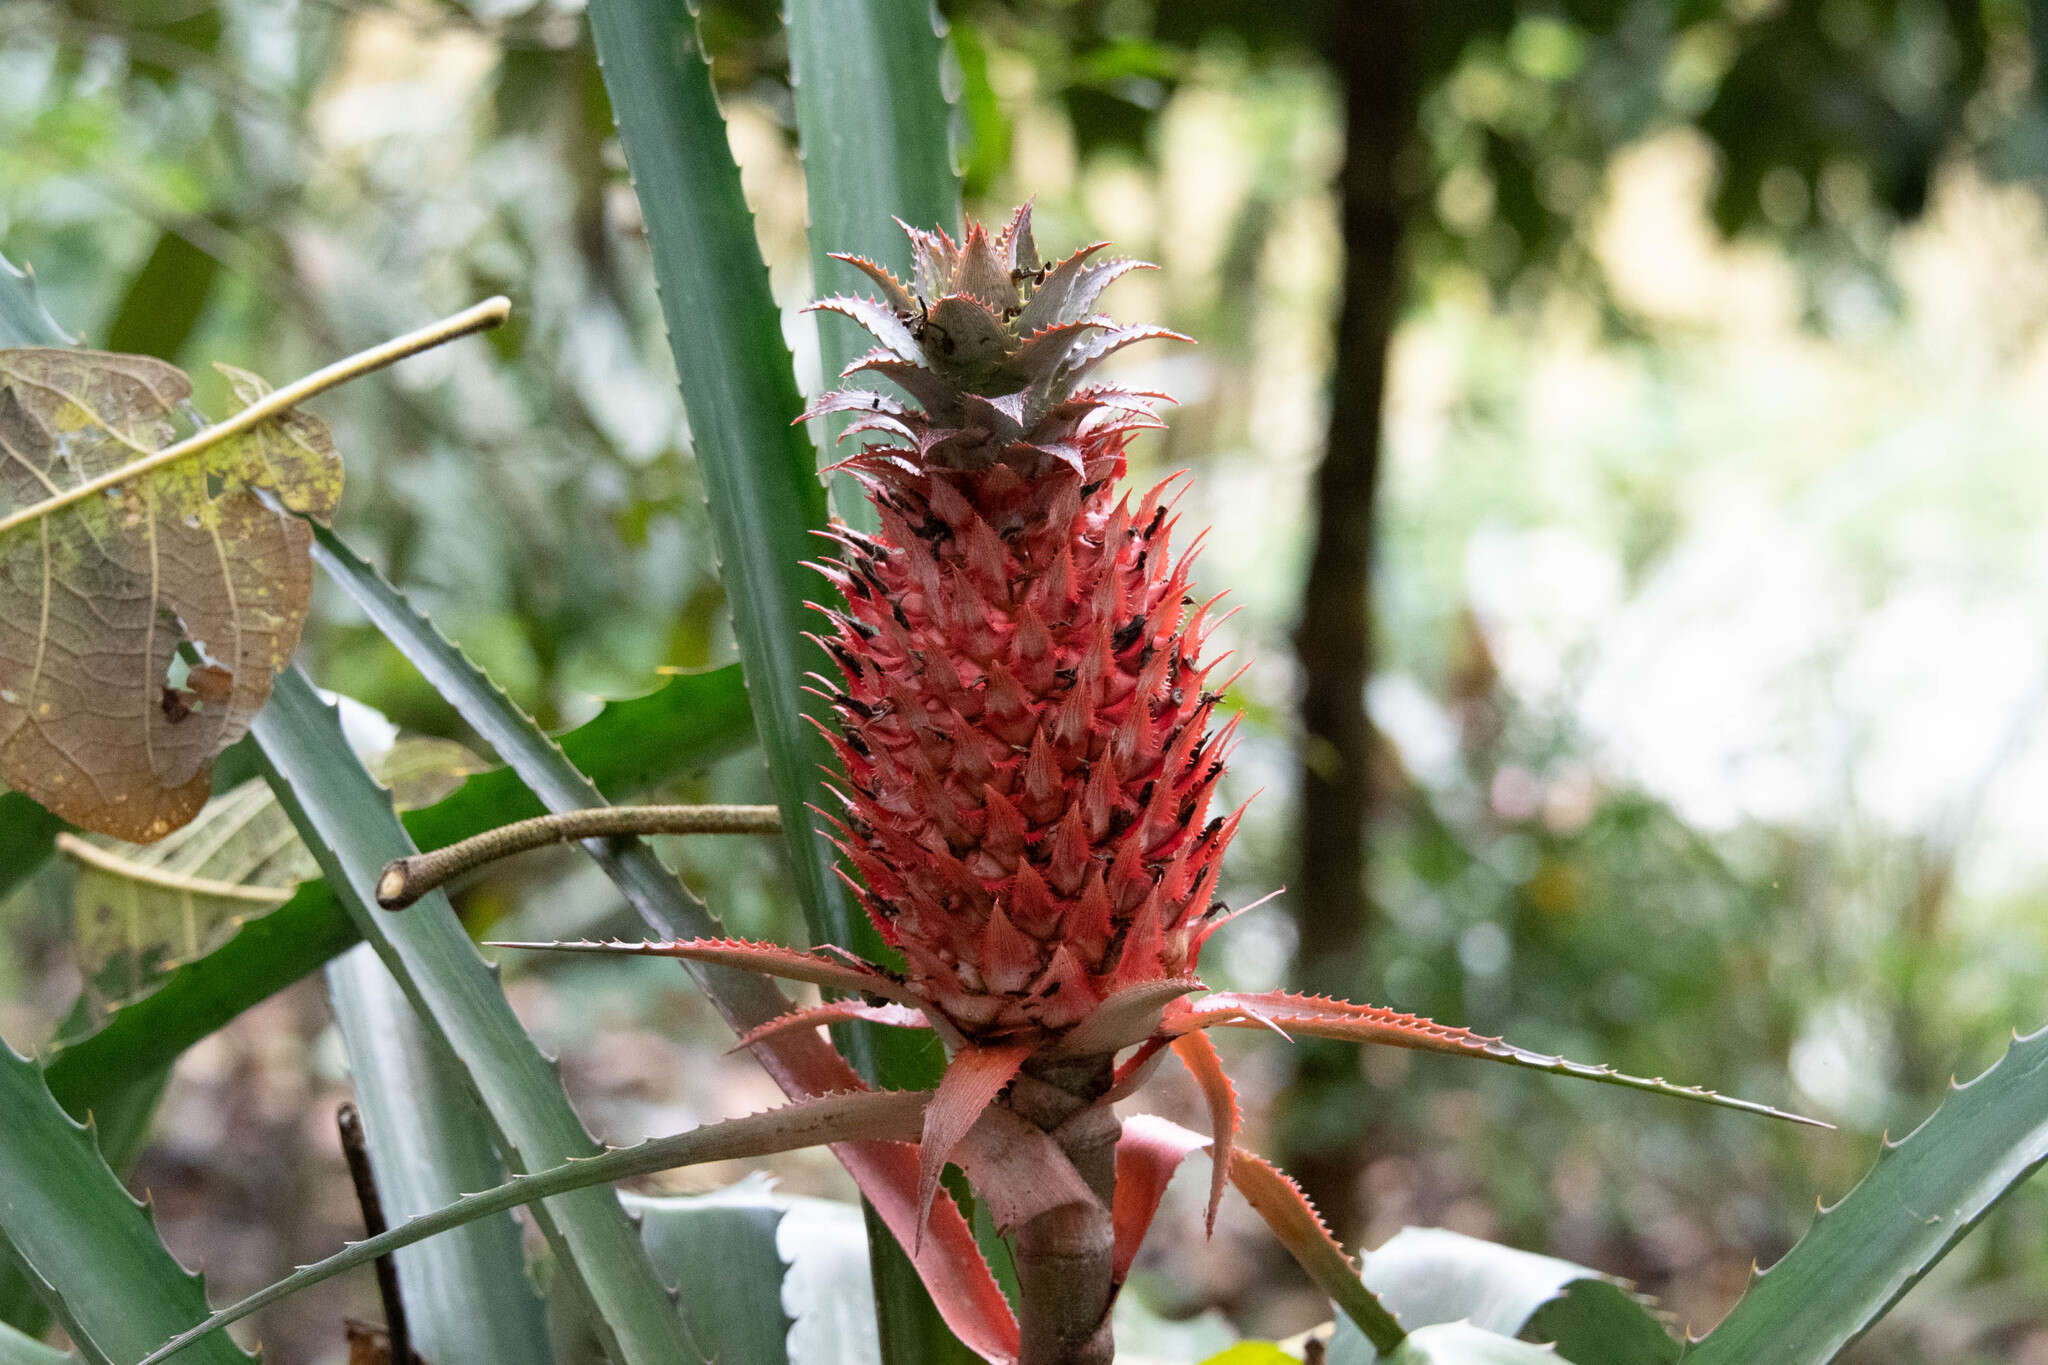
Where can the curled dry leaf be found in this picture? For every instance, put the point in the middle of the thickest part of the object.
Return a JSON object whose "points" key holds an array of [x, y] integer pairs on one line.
{"points": [[140, 626]]}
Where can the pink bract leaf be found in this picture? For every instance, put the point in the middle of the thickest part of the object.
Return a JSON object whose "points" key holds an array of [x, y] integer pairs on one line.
{"points": [[835, 1012], [939, 1243], [1301, 1230], [973, 1079], [1149, 1152], [1318, 1017], [1198, 1054]]}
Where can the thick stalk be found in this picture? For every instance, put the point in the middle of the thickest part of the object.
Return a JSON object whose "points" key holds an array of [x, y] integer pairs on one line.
{"points": [[1065, 1257], [1371, 50]]}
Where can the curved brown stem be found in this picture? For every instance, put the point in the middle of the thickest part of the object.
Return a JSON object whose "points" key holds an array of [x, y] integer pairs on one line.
{"points": [[405, 880]]}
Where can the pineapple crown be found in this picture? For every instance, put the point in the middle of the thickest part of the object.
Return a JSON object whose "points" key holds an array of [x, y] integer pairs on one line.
{"points": [[993, 346]]}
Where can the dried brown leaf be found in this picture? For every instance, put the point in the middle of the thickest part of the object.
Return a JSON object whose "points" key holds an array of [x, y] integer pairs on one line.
{"points": [[140, 627]]}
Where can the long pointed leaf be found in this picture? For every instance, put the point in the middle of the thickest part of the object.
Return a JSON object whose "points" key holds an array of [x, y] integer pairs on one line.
{"points": [[863, 1116], [875, 129], [76, 1232], [348, 822], [741, 395], [1318, 1017], [1925, 1192], [766, 499], [466, 1294]]}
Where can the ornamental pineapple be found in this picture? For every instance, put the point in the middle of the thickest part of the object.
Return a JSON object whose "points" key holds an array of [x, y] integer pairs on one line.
{"points": [[1028, 760]]}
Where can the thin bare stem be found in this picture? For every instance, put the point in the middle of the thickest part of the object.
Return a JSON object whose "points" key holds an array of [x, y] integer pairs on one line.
{"points": [[405, 880], [479, 318], [355, 1147], [94, 856]]}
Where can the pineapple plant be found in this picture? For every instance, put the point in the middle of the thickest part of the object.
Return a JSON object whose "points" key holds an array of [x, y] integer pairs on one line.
{"points": [[1029, 756]]}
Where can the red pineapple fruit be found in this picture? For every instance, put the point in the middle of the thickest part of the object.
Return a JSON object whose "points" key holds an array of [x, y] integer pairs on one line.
{"points": [[1028, 777], [1029, 764]]}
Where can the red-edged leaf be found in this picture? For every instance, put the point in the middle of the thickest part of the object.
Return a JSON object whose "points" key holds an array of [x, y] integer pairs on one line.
{"points": [[941, 1245], [1301, 1230], [772, 959], [973, 1079], [1198, 1054], [835, 1012], [1147, 1155], [1318, 1017]]}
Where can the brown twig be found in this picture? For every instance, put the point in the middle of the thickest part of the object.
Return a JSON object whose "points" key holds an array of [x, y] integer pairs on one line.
{"points": [[357, 1150], [405, 880]]}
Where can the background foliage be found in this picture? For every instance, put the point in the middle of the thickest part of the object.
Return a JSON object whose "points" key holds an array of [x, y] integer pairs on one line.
{"points": [[1709, 584]]}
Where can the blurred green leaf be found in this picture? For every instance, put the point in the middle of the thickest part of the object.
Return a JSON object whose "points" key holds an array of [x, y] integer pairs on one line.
{"points": [[466, 1294], [164, 298], [23, 319], [142, 911], [1430, 1275], [82, 1238], [16, 1349], [1925, 1192], [27, 834], [348, 821], [1460, 1343]]}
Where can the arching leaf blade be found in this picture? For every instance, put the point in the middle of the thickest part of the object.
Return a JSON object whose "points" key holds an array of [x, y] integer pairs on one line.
{"points": [[1925, 1192], [79, 1235], [349, 823]]}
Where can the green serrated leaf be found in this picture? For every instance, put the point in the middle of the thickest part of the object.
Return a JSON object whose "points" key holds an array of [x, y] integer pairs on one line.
{"points": [[719, 1249], [466, 1294], [349, 823], [741, 395], [1924, 1193], [1430, 1275], [78, 1234], [766, 501]]}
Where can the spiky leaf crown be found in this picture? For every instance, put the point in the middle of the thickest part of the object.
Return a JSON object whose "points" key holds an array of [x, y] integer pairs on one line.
{"points": [[993, 345]]}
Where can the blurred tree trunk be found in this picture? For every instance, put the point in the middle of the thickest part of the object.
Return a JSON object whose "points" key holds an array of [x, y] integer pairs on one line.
{"points": [[1372, 49]]}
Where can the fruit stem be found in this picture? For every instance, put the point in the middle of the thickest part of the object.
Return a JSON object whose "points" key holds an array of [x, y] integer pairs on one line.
{"points": [[1065, 1257]]}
